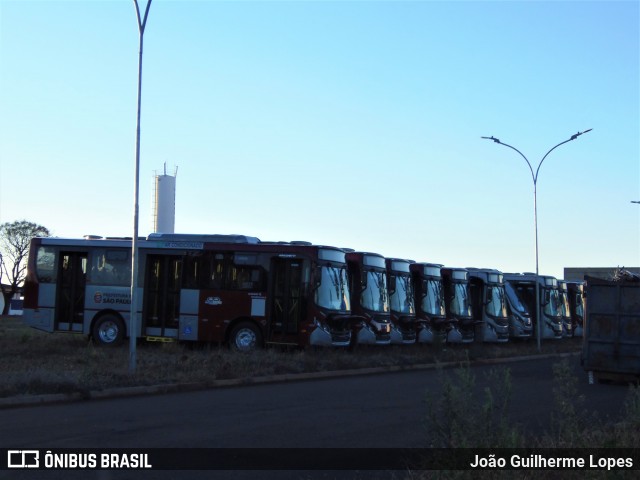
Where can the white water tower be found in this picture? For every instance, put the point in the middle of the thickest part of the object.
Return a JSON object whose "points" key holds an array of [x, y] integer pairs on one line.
{"points": [[164, 202]]}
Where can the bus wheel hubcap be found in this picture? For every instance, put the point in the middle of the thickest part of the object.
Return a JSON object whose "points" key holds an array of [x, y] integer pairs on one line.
{"points": [[108, 332], [245, 339]]}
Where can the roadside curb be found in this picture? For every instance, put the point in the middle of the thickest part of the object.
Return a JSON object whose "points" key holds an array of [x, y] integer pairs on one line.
{"points": [[121, 392]]}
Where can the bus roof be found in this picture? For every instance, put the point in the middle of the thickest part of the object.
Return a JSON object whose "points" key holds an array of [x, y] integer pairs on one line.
{"points": [[205, 238], [188, 242]]}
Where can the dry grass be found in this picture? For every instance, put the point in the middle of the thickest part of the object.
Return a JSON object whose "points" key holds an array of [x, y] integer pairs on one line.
{"points": [[35, 362], [572, 427]]}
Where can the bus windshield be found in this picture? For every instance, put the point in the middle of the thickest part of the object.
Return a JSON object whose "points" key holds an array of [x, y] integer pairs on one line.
{"points": [[496, 306], [460, 305], [552, 306], [433, 297], [333, 291], [375, 297], [514, 299], [579, 305], [402, 298], [564, 305]]}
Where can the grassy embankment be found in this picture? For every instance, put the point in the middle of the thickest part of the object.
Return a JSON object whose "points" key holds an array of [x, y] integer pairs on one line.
{"points": [[449, 424], [34, 362]]}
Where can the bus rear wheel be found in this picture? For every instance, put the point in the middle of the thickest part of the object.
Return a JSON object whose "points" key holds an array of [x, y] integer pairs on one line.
{"points": [[245, 337], [108, 331]]}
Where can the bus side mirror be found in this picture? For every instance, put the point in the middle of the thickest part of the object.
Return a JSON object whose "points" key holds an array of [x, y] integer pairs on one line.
{"points": [[452, 293], [363, 280], [392, 284], [489, 295], [317, 276]]}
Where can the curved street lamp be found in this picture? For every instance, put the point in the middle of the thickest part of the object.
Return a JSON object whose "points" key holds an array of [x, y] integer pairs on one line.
{"points": [[534, 177]]}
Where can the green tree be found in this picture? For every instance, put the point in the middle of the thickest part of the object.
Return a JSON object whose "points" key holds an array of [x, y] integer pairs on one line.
{"points": [[15, 238]]}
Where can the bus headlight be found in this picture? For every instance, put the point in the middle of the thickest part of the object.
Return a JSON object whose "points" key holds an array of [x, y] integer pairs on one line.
{"points": [[321, 326]]}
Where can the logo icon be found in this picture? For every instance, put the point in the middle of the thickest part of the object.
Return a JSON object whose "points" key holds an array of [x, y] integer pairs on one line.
{"points": [[23, 459], [97, 297], [213, 301]]}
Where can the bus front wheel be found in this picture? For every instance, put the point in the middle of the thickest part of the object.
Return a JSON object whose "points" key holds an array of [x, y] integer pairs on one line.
{"points": [[108, 331], [245, 337]]}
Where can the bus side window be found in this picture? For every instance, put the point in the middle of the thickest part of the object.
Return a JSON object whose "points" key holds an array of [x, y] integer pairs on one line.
{"points": [[246, 277], [110, 267], [193, 275], [45, 264], [217, 272]]}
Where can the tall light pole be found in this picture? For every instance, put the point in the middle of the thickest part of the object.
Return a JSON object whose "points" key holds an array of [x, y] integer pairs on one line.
{"points": [[133, 312], [534, 177]]}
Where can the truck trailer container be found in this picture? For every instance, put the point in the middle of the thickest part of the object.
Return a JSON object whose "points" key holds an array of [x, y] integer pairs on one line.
{"points": [[611, 342]]}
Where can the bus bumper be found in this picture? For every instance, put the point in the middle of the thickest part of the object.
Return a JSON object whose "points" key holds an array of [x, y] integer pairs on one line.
{"points": [[454, 335], [322, 337], [552, 330], [398, 337], [366, 336], [495, 333]]}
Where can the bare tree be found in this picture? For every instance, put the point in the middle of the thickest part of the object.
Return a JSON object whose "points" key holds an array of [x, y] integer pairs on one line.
{"points": [[15, 238]]}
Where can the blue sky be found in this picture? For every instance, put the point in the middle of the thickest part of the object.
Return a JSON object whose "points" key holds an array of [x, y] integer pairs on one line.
{"points": [[347, 123]]}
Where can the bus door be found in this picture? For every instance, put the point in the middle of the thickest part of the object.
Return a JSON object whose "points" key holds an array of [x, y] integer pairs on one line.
{"points": [[72, 275], [161, 298], [287, 300]]}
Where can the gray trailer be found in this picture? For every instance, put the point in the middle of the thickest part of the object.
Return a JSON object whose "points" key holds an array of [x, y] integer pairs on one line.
{"points": [[611, 342]]}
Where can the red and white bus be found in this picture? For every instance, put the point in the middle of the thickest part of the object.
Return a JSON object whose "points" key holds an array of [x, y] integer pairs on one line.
{"points": [[208, 288]]}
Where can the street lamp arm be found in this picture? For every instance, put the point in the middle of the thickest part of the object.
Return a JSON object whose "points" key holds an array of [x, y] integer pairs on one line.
{"points": [[142, 23], [521, 154], [573, 137]]}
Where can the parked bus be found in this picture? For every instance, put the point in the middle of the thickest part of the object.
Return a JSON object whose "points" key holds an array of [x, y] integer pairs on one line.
{"points": [[524, 284], [370, 297], [457, 303], [520, 319], [430, 305], [488, 304], [401, 301], [576, 305], [565, 309], [209, 288]]}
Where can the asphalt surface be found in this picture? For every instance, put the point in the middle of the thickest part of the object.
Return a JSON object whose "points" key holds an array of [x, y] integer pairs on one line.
{"points": [[378, 408]]}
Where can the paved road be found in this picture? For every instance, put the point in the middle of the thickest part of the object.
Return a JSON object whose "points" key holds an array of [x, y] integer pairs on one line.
{"points": [[383, 411]]}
